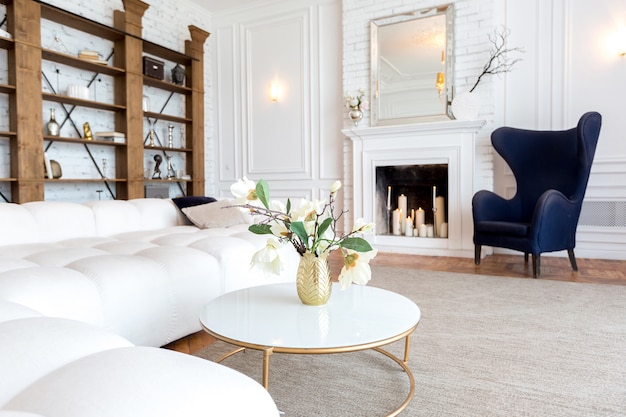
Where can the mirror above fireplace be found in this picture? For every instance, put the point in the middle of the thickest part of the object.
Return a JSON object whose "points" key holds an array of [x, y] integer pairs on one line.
{"points": [[412, 66]]}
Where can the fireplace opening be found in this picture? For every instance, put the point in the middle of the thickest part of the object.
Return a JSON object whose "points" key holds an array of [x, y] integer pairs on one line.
{"points": [[406, 196]]}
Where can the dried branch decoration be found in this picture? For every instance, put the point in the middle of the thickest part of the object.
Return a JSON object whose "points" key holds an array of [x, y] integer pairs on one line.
{"points": [[499, 62]]}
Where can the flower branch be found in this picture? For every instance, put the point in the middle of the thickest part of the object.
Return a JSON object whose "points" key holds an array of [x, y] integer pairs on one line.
{"points": [[499, 61]]}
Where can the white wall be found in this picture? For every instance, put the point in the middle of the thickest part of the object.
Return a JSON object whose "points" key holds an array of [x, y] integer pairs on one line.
{"points": [[295, 142]]}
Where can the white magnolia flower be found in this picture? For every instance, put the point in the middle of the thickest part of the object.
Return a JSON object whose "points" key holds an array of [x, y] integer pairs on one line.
{"points": [[277, 205], [356, 268], [335, 187], [244, 191], [267, 259], [279, 229], [307, 210], [361, 226]]}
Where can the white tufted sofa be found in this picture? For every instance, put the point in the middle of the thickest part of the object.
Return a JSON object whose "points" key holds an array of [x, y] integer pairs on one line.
{"points": [[88, 292]]}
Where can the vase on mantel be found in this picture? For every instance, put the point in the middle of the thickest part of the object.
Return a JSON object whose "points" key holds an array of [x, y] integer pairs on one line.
{"points": [[356, 116], [313, 281], [466, 106]]}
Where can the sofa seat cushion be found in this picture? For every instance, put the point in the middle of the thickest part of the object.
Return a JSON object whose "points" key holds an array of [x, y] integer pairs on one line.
{"points": [[63, 256], [33, 347], [12, 311], [144, 381], [9, 263], [55, 292], [150, 235], [27, 249], [125, 247]]}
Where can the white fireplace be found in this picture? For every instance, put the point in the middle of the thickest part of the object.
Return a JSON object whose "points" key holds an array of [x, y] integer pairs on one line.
{"points": [[446, 143]]}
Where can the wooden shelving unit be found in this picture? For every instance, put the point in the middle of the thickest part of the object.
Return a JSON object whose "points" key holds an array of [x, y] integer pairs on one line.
{"points": [[24, 19]]}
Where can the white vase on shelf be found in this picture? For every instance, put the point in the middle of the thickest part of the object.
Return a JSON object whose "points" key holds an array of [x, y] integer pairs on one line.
{"points": [[466, 106]]}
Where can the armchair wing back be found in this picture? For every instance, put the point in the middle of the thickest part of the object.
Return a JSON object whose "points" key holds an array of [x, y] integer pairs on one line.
{"points": [[551, 169]]}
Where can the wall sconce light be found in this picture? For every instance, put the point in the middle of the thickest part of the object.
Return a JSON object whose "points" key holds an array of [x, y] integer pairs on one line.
{"points": [[440, 83], [616, 42], [275, 91], [621, 41]]}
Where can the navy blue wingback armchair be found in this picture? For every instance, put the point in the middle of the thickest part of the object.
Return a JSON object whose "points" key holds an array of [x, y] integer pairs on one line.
{"points": [[551, 169]]}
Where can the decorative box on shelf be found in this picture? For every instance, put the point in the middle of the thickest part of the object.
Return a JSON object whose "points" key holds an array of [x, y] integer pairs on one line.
{"points": [[157, 191], [153, 67]]}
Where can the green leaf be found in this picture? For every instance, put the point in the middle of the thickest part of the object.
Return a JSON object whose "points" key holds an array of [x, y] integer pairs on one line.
{"points": [[288, 206], [260, 229], [324, 226], [356, 244], [263, 192], [298, 229]]}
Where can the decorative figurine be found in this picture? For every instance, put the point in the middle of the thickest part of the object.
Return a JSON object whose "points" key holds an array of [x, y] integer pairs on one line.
{"points": [[151, 137], [170, 138], [52, 126], [157, 171], [170, 170], [87, 131], [178, 75]]}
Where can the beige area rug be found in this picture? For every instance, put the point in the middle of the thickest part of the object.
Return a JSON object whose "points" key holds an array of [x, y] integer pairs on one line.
{"points": [[485, 346]]}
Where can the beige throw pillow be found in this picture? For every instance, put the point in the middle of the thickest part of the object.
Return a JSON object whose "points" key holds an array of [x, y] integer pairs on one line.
{"points": [[218, 214]]}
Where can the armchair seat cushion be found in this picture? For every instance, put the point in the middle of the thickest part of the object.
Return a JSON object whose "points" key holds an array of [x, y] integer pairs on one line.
{"points": [[503, 228]]}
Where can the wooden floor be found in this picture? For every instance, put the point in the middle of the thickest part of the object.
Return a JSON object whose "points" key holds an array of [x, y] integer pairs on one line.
{"points": [[596, 271]]}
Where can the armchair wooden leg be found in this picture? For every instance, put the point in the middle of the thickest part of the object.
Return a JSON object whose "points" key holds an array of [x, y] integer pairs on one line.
{"points": [[477, 251], [526, 257], [572, 259], [536, 265]]}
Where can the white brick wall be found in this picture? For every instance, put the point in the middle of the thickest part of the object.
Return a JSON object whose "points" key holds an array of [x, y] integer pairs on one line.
{"points": [[474, 21], [164, 23]]}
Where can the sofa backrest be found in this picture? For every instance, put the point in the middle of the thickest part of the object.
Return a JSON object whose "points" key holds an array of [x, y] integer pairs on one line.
{"points": [[51, 221]]}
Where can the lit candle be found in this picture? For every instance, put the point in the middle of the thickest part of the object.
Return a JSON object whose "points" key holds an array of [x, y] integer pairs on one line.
{"points": [[444, 230], [441, 214], [434, 195], [396, 222], [388, 197], [408, 227], [419, 220], [402, 207]]}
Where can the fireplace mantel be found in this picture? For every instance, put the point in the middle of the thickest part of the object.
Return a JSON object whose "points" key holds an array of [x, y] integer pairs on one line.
{"points": [[413, 130], [446, 142]]}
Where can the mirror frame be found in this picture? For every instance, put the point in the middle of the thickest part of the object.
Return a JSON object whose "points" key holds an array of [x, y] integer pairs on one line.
{"points": [[448, 10]]}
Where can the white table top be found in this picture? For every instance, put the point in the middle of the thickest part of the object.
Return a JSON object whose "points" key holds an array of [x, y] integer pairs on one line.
{"points": [[273, 316]]}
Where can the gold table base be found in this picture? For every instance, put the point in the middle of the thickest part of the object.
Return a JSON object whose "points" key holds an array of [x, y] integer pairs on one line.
{"points": [[268, 351]]}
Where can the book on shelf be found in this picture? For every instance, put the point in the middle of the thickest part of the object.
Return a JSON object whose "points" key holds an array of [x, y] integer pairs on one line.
{"points": [[91, 56], [117, 137]]}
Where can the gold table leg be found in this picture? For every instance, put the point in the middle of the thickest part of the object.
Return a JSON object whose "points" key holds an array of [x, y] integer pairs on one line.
{"points": [[266, 366]]}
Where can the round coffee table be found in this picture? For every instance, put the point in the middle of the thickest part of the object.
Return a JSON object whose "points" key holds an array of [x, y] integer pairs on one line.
{"points": [[271, 318]]}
